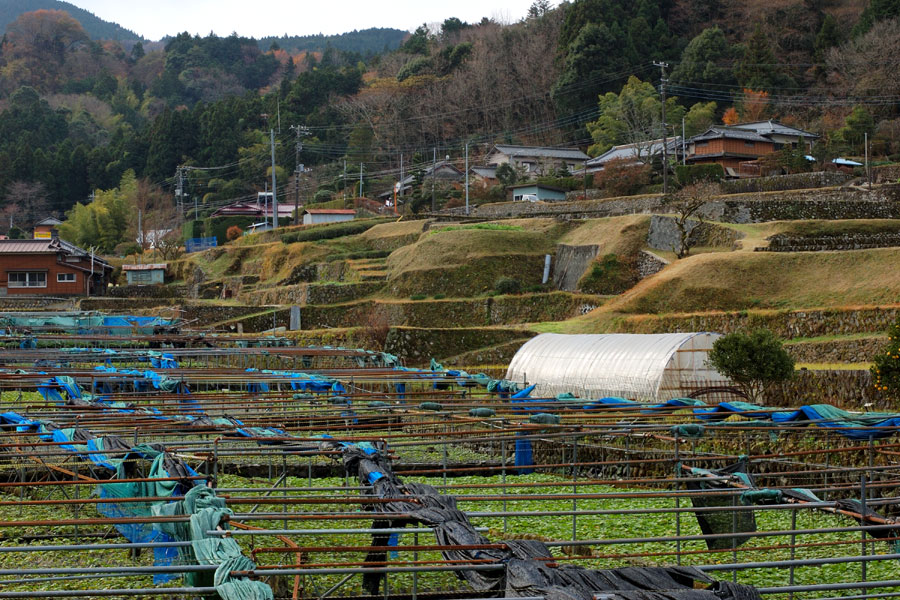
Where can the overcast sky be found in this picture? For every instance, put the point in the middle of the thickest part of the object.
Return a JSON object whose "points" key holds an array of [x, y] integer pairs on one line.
{"points": [[154, 19]]}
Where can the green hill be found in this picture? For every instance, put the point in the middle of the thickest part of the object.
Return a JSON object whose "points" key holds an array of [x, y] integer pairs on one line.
{"points": [[96, 27], [366, 41]]}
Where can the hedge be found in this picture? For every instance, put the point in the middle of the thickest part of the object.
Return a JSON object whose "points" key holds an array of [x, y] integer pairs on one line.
{"points": [[689, 174], [331, 230]]}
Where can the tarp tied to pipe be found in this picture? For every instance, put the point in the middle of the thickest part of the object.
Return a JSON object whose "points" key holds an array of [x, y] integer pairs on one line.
{"points": [[523, 571]]}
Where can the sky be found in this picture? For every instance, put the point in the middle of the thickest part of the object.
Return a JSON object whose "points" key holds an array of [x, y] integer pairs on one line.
{"points": [[155, 19]]}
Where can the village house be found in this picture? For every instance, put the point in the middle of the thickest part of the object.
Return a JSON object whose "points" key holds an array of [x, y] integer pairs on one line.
{"points": [[738, 148], [51, 267], [634, 154], [536, 161]]}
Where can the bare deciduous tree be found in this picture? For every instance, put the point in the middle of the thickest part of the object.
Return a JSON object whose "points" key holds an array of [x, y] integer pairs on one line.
{"points": [[688, 202]]}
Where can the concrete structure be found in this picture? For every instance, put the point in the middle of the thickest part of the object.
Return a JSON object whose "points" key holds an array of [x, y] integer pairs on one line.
{"points": [[51, 267], [315, 216], [652, 367], [536, 161], [150, 274], [536, 192], [44, 230]]}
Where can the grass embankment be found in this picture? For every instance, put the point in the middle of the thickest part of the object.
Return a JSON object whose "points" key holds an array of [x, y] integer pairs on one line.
{"points": [[741, 281], [467, 262]]}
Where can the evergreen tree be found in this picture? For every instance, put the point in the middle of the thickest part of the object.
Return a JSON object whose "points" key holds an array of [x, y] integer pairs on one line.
{"points": [[702, 63]]}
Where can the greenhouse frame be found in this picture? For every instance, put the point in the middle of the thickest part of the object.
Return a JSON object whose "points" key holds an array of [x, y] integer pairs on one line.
{"points": [[653, 367]]}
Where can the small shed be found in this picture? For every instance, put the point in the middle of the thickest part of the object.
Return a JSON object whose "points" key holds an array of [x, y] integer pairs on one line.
{"points": [[536, 192], [315, 216], [647, 367], [45, 229], [150, 274]]}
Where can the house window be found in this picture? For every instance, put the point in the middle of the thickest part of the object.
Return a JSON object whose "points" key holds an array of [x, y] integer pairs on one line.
{"points": [[749, 143], [27, 279], [65, 278]]}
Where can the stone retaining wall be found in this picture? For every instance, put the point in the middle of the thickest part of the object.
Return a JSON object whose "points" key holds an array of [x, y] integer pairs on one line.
{"points": [[24, 303], [845, 241], [837, 351], [794, 181], [649, 264], [416, 347], [755, 207], [664, 234], [148, 291], [308, 293], [785, 324], [847, 389]]}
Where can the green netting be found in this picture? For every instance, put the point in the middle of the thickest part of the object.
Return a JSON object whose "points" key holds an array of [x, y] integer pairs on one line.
{"points": [[482, 412], [544, 419], [691, 431]]}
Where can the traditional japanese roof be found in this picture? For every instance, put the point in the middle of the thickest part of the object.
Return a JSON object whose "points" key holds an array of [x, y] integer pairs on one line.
{"points": [[774, 128], [541, 152], [715, 133]]}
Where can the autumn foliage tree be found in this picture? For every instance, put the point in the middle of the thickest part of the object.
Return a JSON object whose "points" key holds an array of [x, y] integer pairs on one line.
{"points": [[731, 116], [754, 105], [36, 46]]}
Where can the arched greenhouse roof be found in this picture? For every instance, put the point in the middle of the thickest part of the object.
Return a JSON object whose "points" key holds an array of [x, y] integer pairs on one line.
{"points": [[654, 367]]}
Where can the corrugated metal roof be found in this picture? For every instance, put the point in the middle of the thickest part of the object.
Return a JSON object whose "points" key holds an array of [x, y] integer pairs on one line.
{"points": [[542, 152], [330, 211], [38, 246], [630, 151], [149, 267]]}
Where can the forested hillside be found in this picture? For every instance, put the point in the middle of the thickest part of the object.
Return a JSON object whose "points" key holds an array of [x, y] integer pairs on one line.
{"points": [[96, 28], [366, 42], [78, 116]]}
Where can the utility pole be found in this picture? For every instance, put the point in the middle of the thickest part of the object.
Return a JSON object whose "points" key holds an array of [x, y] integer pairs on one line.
{"points": [[274, 191], [344, 182], [683, 144], [400, 190], [433, 169], [179, 191], [467, 179], [662, 90], [866, 143], [360, 181], [140, 236], [298, 170]]}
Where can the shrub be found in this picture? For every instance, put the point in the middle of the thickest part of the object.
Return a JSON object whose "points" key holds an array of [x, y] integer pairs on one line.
{"points": [[418, 297], [439, 296], [753, 361], [233, 233], [886, 367], [690, 174], [622, 178], [608, 275], [126, 248], [322, 196], [330, 231], [508, 285]]}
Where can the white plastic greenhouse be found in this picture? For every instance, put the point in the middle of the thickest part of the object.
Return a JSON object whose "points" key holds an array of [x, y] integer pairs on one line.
{"points": [[648, 367]]}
